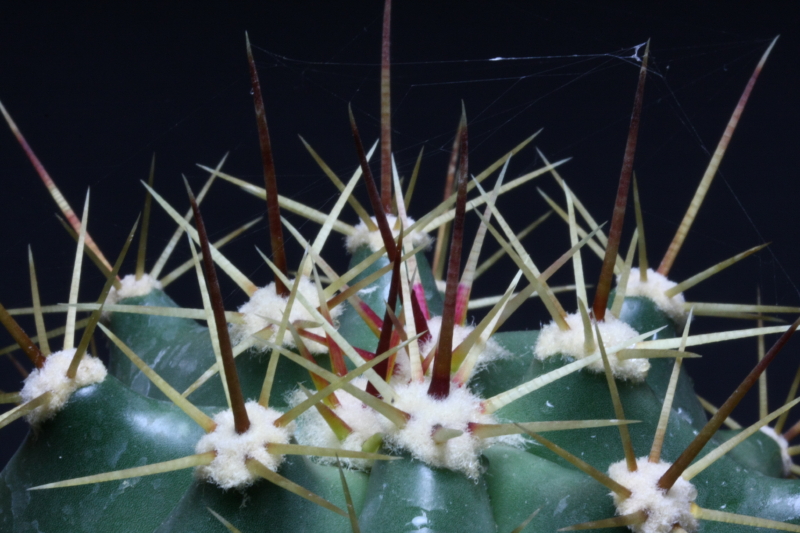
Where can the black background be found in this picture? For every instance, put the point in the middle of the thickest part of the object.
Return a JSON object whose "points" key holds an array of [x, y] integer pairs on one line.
{"points": [[97, 90]]}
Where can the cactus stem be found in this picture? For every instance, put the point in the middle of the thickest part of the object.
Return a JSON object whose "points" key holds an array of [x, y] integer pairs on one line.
{"points": [[578, 463], [260, 470], [632, 519], [372, 191], [707, 273], [173, 241], [190, 461], [637, 206], [41, 330], [495, 257], [442, 363], [617, 219], [222, 521], [691, 451], [202, 419], [62, 203], [148, 201], [666, 408], [72, 371], [270, 181], [234, 273], [627, 445], [622, 285], [218, 244], [711, 170], [69, 332], [351, 510], [743, 520], [22, 339], [444, 229], [352, 200], [241, 420], [23, 409]]}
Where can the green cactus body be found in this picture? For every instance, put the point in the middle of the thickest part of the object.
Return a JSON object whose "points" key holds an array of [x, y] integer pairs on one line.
{"points": [[125, 422]]}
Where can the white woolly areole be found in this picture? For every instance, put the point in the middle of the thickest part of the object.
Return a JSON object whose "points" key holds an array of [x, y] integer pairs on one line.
{"points": [[783, 444], [52, 377], [552, 341], [312, 430], [265, 302], [132, 287], [363, 235], [228, 469], [457, 411], [664, 509], [654, 288]]}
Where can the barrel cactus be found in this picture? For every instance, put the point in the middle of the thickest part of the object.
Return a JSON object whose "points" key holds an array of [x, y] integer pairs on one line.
{"points": [[364, 399]]}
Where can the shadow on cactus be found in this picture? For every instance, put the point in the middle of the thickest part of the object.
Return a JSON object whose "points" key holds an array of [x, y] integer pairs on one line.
{"points": [[364, 401]]}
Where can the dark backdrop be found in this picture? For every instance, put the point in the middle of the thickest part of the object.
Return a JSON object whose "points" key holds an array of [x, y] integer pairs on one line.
{"points": [[98, 90]]}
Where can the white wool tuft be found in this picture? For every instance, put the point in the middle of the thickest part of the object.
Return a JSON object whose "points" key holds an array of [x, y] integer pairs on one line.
{"points": [[457, 411], [654, 288], [52, 377], [783, 444], [228, 469], [552, 341], [664, 510], [265, 302], [373, 239], [132, 287], [312, 430], [490, 352]]}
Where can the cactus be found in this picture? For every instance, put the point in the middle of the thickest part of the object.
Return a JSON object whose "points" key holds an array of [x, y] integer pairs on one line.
{"points": [[473, 472]]}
